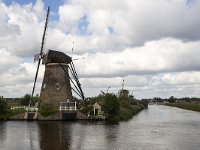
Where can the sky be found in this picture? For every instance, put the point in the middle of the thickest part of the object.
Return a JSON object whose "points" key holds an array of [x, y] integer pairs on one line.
{"points": [[153, 45]]}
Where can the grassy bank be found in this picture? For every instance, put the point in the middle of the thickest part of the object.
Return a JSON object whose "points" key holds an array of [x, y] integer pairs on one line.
{"points": [[4, 116], [9, 113], [47, 113], [185, 105], [126, 113], [115, 107]]}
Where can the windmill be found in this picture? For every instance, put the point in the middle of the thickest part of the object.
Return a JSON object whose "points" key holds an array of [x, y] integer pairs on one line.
{"points": [[56, 85], [122, 84]]}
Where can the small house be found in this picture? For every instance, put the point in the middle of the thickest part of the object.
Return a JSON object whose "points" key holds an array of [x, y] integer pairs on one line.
{"points": [[96, 109]]}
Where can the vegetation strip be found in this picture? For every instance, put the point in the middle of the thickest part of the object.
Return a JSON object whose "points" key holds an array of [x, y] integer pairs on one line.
{"points": [[113, 107], [186, 105]]}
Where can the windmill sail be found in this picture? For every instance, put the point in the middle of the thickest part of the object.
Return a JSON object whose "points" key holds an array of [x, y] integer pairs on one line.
{"points": [[41, 53]]}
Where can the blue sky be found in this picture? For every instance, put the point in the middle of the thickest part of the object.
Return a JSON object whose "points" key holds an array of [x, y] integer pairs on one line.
{"points": [[54, 4]]}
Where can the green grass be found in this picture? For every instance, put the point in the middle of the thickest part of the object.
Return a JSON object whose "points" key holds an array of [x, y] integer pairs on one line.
{"points": [[184, 105], [16, 112], [47, 112], [6, 115]]}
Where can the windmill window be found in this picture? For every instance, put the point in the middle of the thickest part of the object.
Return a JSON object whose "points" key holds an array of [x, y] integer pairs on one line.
{"points": [[44, 85], [57, 86]]}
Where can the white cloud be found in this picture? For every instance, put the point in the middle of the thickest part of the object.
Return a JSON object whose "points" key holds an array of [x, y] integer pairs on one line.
{"points": [[18, 80], [154, 45], [134, 22], [166, 55], [7, 60], [148, 86], [24, 22], [69, 16]]}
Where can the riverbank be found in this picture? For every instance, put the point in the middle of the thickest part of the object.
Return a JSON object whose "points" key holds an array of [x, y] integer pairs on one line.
{"points": [[106, 106], [124, 114], [185, 105]]}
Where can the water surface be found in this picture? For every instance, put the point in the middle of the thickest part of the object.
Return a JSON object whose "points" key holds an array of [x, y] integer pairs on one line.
{"points": [[157, 128]]}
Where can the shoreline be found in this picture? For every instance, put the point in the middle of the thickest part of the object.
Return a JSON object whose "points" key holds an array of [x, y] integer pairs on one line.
{"points": [[185, 105], [58, 117]]}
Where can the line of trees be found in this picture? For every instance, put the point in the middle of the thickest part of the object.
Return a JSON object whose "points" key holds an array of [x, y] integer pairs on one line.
{"points": [[173, 99]]}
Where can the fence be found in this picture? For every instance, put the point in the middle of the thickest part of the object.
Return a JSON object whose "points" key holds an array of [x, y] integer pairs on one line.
{"points": [[31, 108], [68, 106]]}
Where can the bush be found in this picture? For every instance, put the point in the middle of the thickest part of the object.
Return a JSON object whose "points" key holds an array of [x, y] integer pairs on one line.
{"points": [[86, 109], [134, 102], [3, 105], [26, 99], [125, 104], [125, 114], [111, 107], [3, 109]]}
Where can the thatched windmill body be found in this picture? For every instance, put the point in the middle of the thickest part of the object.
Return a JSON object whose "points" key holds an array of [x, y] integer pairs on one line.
{"points": [[56, 85]]}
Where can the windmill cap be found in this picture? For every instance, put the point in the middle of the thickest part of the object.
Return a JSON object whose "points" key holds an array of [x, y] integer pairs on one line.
{"points": [[57, 57]]}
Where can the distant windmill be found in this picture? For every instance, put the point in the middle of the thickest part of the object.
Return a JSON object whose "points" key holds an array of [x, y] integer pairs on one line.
{"points": [[122, 84], [56, 86], [108, 89]]}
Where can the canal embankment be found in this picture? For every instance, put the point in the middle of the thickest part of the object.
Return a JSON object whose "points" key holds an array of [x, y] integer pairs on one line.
{"points": [[185, 105]]}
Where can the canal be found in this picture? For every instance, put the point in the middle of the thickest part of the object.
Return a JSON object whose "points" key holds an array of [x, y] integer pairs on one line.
{"points": [[157, 128]]}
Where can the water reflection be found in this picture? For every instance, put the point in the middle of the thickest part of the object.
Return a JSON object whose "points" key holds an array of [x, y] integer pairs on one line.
{"points": [[76, 135], [18, 135], [111, 132], [88, 135], [54, 135], [2, 132]]}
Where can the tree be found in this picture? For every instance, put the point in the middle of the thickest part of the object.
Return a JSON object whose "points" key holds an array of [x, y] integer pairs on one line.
{"points": [[172, 99], [124, 93], [26, 99], [3, 105], [144, 103], [111, 107], [35, 99]]}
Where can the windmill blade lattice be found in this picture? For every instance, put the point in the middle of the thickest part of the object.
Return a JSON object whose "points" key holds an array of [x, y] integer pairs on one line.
{"points": [[40, 55]]}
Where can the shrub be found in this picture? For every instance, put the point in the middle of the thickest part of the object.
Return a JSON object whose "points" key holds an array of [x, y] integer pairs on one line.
{"points": [[3, 106], [125, 114], [86, 109], [111, 106], [26, 99]]}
